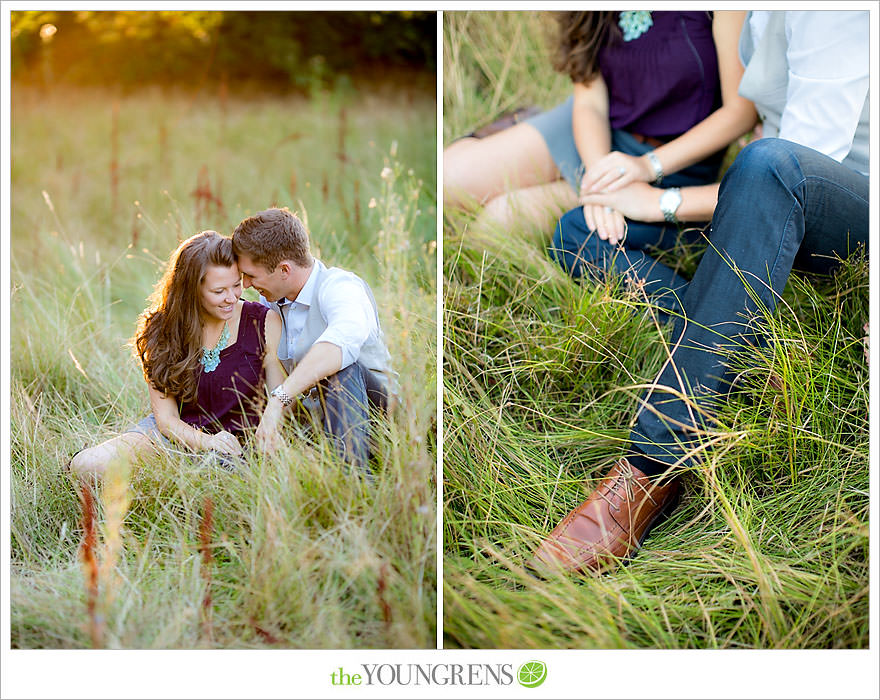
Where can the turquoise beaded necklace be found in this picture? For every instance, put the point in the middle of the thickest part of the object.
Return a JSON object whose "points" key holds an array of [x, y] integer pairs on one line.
{"points": [[634, 23], [211, 356]]}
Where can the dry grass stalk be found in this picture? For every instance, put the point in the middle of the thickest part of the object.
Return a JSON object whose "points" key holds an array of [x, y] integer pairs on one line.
{"points": [[135, 229], [357, 205], [90, 564], [224, 100], [163, 150], [265, 634], [342, 157], [206, 197], [114, 496], [114, 156], [206, 526], [381, 588]]}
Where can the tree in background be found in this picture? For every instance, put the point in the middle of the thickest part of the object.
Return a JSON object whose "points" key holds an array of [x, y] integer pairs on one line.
{"points": [[295, 50]]}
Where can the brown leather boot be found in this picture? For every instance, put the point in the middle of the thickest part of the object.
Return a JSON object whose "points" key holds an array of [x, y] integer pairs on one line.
{"points": [[611, 524]]}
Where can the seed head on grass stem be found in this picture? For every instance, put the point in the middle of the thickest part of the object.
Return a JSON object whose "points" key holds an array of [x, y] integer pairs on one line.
{"points": [[90, 564], [206, 525]]}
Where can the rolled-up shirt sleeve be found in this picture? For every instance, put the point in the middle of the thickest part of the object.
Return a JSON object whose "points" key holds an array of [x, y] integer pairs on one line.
{"points": [[350, 316], [828, 79]]}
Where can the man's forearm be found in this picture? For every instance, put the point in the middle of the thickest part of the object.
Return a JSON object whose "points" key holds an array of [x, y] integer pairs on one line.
{"points": [[321, 361]]}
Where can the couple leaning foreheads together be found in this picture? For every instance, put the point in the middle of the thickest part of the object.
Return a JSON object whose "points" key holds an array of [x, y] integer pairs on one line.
{"points": [[218, 367]]}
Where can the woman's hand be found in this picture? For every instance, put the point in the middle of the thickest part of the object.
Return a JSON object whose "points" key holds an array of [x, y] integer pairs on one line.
{"points": [[638, 201], [614, 171], [224, 442], [606, 222]]}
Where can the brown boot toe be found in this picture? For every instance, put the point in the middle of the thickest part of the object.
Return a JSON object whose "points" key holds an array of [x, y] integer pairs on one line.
{"points": [[610, 525]]}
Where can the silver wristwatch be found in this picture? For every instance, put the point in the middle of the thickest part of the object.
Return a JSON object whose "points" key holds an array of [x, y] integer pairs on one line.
{"points": [[670, 200], [656, 166], [281, 395]]}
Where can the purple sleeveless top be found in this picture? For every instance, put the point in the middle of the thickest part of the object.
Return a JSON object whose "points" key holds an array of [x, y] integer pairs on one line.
{"points": [[666, 80], [230, 397]]}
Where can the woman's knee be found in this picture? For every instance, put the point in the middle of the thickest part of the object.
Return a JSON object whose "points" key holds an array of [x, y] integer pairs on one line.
{"points": [[499, 210], [90, 462], [458, 187], [94, 461]]}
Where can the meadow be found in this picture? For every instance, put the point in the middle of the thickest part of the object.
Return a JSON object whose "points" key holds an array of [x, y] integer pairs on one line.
{"points": [[293, 552], [769, 547]]}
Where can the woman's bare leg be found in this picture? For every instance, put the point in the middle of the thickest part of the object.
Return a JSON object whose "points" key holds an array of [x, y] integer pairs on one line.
{"points": [[478, 170], [94, 461], [538, 207]]}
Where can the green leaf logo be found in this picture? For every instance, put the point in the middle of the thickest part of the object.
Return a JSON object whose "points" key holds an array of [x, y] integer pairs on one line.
{"points": [[531, 674]]}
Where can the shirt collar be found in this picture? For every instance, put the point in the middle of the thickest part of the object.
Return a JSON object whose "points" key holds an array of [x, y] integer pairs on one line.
{"points": [[307, 293]]}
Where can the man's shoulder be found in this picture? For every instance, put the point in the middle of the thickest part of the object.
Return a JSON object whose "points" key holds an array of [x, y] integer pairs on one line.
{"points": [[343, 287], [338, 276]]}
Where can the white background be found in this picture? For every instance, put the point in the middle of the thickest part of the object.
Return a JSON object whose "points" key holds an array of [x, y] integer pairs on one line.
{"points": [[306, 674]]}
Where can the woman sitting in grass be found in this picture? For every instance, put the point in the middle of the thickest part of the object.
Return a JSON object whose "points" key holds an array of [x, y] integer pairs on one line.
{"points": [[203, 352], [655, 101]]}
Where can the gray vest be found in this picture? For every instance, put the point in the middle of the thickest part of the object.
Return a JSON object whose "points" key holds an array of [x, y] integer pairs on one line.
{"points": [[374, 356], [765, 82]]}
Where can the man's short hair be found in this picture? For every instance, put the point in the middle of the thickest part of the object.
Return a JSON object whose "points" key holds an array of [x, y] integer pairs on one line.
{"points": [[271, 236]]}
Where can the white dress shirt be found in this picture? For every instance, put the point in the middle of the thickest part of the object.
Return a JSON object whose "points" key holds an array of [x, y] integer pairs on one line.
{"points": [[345, 307], [826, 90]]}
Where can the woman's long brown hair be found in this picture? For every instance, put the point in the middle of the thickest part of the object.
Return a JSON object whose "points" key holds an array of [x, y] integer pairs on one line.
{"points": [[169, 332], [581, 36]]}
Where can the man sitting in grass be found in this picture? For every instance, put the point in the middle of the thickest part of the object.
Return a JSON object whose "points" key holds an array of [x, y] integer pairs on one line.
{"points": [[331, 344], [798, 197]]}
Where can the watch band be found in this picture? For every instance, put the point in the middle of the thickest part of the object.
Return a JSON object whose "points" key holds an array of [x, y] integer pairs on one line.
{"points": [[656, 166], [668, 208], [281, 395]]}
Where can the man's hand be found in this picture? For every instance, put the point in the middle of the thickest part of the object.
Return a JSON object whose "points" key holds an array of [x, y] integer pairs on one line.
{"points": [[607, 223], [269, 430], [638, 201]]}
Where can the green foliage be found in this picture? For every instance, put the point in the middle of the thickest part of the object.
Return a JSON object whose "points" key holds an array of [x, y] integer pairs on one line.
{"points": [[541, 377], [305, 554], [295, 50]]}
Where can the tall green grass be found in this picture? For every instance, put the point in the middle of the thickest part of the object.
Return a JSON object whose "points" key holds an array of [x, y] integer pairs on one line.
{"points": [[303, 554], [769, 547]]}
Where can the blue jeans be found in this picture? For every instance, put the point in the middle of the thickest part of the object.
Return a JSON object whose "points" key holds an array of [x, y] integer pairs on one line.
{"points": [[345, 399], [780, 205], [581, 253]]}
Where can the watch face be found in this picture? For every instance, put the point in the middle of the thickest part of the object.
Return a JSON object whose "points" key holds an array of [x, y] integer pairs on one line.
{"points": [[669, 203], [670, 199]]}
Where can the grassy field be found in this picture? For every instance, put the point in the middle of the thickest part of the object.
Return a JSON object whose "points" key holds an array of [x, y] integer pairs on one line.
{"points": [[769, 548], [294, 552]]}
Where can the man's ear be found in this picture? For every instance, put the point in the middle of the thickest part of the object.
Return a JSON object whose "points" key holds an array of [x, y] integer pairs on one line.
{"points": [[286, 268]]}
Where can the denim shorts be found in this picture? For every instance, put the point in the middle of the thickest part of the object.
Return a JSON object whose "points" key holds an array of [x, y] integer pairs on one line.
{"points": [[148, 426]]}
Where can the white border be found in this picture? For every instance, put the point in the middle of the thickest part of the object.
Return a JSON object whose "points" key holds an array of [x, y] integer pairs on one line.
{"points": [[439, 287], [573, 673]]}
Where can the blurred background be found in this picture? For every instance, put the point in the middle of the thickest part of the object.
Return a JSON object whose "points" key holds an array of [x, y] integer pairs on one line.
{"points": [[295, 51], [132, 131]]}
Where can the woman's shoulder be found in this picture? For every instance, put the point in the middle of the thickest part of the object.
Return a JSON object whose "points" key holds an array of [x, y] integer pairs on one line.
{"points": [[253, 318], [253, 309]]}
